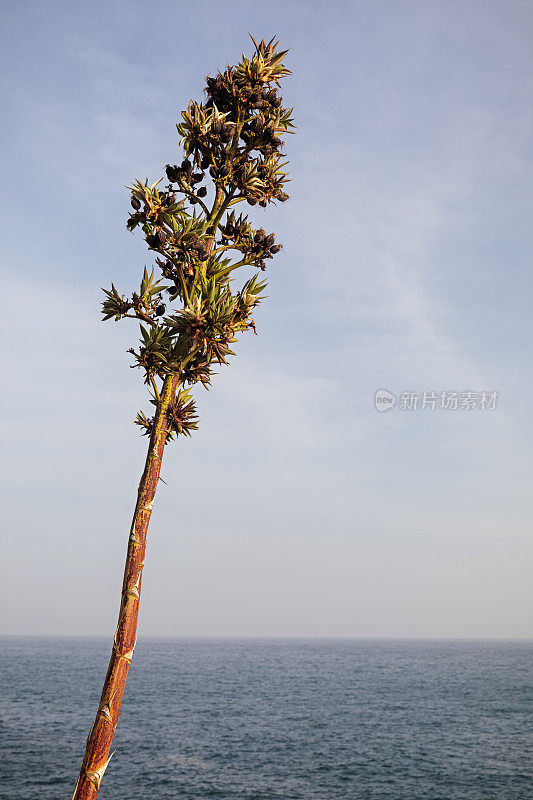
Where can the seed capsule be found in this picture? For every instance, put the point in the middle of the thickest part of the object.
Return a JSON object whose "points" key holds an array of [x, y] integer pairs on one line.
{"points": [[204, 163], [263, 203], [186, 166], [172, 173], [160, 310], [202, 191], [275, 249], [251, 201], [135, 203]]}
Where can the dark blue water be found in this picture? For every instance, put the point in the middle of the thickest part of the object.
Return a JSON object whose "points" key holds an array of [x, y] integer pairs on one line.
{"points": [[273, 720]]}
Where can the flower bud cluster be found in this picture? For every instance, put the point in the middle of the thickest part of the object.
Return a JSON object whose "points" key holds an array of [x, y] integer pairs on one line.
{"points": [[234, 139], [256, 246], [241, 121]]}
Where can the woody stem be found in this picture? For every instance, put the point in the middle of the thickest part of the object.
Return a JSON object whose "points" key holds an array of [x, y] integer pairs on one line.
{"points": [[101, 735]]}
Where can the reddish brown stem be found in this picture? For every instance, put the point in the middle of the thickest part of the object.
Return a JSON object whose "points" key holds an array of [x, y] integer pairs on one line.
{"points": [[99, 741]]}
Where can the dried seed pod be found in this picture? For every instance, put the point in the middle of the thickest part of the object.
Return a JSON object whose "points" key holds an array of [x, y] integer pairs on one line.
{"points": [[172, 172], [263, 203], [186, 166], [204, 163], [135, 203], [197, 177], [275, 249], [251, 201], [160, 310], [202, 191], [282, 197]]}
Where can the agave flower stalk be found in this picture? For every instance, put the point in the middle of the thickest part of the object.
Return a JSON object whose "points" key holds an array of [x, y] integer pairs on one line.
{"points": [[189, 313]]}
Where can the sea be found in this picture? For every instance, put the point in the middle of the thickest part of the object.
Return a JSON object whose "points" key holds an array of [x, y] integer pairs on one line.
{"points": [[276, 719]]}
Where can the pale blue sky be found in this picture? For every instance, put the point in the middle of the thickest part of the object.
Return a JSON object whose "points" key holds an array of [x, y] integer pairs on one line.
{"points": [[297, 509]]}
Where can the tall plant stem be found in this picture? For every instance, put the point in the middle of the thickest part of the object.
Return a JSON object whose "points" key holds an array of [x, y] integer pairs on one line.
{"points": [[99, 741]]}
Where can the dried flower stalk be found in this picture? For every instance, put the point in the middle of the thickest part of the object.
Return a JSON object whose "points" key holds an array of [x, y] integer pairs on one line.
{"points": [[235, 137]]}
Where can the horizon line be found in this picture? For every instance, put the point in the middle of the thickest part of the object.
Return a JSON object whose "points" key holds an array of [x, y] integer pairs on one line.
{"points": [[266, 637]]}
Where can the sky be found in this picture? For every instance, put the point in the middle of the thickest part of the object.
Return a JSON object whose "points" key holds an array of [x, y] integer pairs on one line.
{"points": [[297, 509]]}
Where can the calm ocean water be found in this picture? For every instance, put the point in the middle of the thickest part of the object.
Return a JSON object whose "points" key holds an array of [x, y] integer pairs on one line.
{"points": [[273, 719]]}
